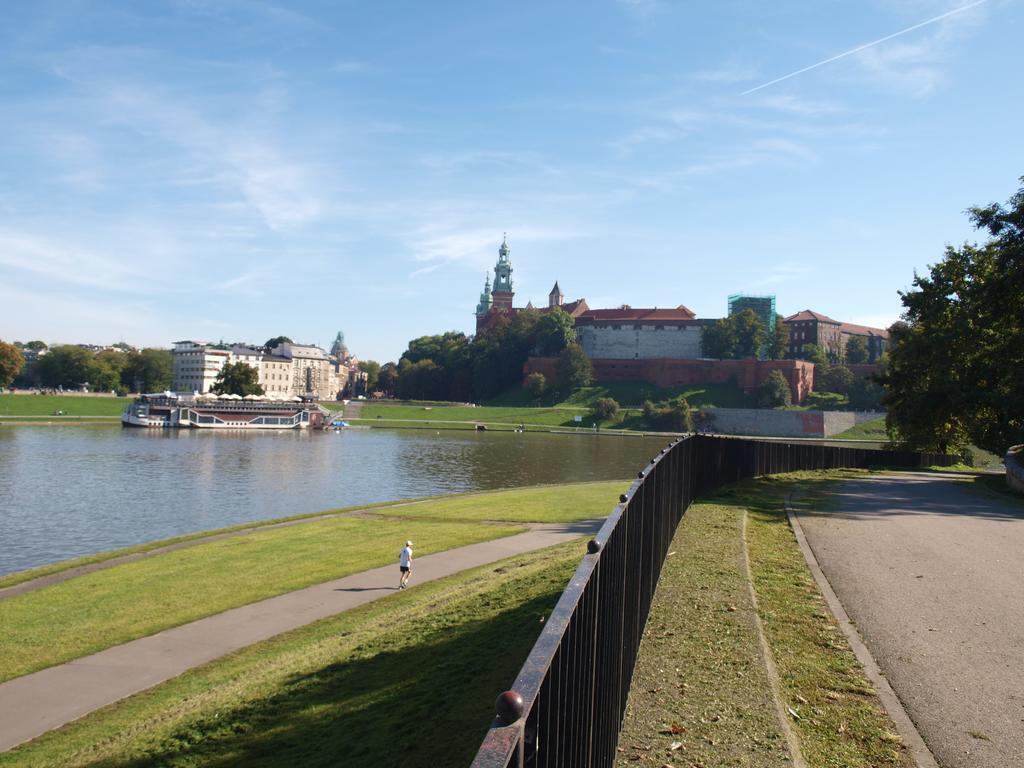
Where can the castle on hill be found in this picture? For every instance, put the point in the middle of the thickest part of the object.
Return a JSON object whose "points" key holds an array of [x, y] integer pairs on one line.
{"points": [[496, 301]]}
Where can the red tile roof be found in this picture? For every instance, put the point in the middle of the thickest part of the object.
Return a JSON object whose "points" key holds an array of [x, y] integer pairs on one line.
{"points": [[641, 314], [809, 315], [863, 330]]}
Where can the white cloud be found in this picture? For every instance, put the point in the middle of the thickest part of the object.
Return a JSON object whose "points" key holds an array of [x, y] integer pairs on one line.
{"points": [[61, 263], [244, 155], [476, 247]]}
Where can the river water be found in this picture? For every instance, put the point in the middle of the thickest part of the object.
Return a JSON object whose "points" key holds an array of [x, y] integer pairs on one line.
{"points": [[75, 490]]}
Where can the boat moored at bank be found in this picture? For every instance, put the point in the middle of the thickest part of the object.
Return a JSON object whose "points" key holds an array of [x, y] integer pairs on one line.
{"points": [[168, 410]]}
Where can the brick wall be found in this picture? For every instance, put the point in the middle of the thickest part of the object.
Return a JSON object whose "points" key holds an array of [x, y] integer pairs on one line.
{"points": [[748, 374]]}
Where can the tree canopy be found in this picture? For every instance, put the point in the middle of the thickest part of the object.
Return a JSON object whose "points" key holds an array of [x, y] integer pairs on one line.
{"points": [[778, 344], [151, 370], [774, 391], [237, 379], [856, 350], [372, 370], [956, 363], [736, 336], [277, 341], [11, 362], [574, 370]]}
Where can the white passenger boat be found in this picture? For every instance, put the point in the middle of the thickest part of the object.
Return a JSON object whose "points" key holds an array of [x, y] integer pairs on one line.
{"points": [[168, 410]]}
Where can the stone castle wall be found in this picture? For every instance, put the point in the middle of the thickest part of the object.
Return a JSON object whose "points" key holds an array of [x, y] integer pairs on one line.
{"points": [[629, 341]]}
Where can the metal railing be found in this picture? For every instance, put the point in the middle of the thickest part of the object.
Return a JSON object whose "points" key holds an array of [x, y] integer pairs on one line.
{"points": [[567, 704]]}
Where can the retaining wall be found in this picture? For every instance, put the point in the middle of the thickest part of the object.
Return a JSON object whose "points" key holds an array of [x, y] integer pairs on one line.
{"points": [[770, 423]]}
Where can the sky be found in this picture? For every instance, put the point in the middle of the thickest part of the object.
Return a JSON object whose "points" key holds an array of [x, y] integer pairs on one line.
{"points": [[236, 169]]}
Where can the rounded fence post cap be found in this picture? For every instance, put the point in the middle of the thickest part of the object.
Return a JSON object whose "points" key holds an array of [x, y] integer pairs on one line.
{"points": [[593, 547], [508, 707], [623, 498]]}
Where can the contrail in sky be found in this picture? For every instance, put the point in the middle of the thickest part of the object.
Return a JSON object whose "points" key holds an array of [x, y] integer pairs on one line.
{"points": [[860, 48]]}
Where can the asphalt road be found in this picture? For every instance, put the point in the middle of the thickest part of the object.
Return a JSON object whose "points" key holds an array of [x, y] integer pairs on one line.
{"points": [[932, 573]]}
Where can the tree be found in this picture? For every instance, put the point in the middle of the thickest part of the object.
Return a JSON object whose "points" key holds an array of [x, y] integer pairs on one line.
{"points": [[536, 384], [865, 395], [774, 391], [11, 362], [778, 345], [956, 365], [750, 333], [277, 341], [66, 366], [739, 335], [387, 380], [825, 401], [604, 409], [36, 345], [856, 350], [372, 370], [815, 354], [671, 414], [555, 330], [105, 370], [151, 370], [837, 379], [719, 341], [574, 370], [237, 379]]}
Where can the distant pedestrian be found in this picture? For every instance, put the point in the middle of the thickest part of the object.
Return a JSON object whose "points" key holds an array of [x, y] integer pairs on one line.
{"points": [[405, 564]]}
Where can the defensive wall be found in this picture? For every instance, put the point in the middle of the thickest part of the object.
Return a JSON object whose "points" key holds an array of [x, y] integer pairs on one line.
{"points": [[631, 341], [664, 372], [772, 423], [1014, 462]]}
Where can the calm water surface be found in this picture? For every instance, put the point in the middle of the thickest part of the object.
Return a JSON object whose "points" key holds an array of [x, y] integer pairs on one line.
{"points": [[71, 491]]}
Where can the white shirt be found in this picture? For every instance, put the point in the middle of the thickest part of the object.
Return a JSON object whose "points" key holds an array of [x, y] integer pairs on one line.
{"points": [[405, 557]]}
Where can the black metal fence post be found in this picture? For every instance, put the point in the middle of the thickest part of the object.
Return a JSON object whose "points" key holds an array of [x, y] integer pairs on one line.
{"points": [[567, 703]]}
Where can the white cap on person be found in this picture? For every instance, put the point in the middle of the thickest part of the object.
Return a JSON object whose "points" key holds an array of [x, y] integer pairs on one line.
{"points": [[408, 543]]}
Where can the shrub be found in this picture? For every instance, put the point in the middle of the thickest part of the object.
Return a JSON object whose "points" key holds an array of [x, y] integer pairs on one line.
{"points": [[825, 401], [671, 414], [605, 409], [536, 385], [774, 391]]}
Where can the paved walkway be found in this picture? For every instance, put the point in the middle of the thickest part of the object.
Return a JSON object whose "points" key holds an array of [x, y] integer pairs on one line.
{"points": [[36, 703], [932, 574]]}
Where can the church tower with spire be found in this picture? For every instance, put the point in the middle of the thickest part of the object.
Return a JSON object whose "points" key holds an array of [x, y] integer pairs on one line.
{"points": [[501, 296], [484, 306], [556, 298]]}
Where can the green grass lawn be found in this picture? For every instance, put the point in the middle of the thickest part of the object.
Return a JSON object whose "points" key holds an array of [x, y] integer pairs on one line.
{"points": [[408, 680], [515, 407], [71, 405], [97, 610], [714, 700], [631, 394], [868, 430]]}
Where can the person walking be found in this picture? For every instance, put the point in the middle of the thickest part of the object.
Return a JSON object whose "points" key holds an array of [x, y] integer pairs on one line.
{"points": [[405, 564]]}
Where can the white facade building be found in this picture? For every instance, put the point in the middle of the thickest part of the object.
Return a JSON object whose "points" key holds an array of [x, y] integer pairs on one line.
{"points": [[288, 370]]}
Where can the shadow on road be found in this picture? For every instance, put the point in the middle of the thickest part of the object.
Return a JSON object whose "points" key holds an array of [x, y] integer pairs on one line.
{"points": [[908, 495]]}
